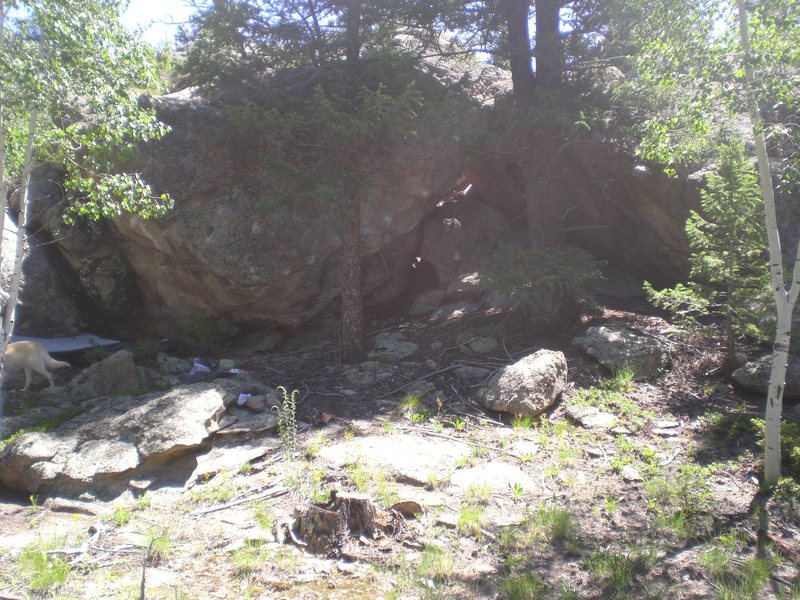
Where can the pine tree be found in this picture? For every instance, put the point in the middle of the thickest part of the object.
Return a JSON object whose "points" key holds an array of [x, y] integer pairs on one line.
{"points": [[729, 276]]}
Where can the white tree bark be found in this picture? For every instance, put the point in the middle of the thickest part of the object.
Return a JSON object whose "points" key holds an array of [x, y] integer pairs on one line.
{"points": [[785, 300], [3, 186], [22, 223]]}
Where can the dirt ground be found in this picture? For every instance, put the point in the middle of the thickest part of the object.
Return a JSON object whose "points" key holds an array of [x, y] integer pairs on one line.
{"points": [[467, 503]]}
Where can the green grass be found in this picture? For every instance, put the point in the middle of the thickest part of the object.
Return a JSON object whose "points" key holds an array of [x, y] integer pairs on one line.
{"points": [[159, 544], [558, 524], [248, 558], [263, 517], [522, 422], [523, 587], [613, 571], [214, 492], [42, 571], [610, 396], [410, 402], [470, 521], [549, 523], [610, 504], [682, 502], [142, 502], [621, 380], [478, 493], [436, 563]]}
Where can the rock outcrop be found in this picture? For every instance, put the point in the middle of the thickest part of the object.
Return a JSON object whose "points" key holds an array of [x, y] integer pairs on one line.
{"points": [[617, 347], [228, 253], [231, 264], [113, 442], [617, 209]]}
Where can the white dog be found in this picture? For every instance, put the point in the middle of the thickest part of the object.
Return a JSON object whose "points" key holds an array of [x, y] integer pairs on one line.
{"points": [[31, 356]]}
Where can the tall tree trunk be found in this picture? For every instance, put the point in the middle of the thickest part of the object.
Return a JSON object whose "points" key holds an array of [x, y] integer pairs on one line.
{"points": [[353, 33], [539, 163], [730, 337], [519, 52], [548, 53], [785, 300], [3, 186], [352, 340], [540, 180]]}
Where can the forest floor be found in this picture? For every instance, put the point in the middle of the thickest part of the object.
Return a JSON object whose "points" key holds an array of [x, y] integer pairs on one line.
{"points": [[664, 505]]}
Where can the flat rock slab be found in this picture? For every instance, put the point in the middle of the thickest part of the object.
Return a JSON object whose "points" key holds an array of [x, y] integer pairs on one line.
{"points": [[231, 458], [499, 476], [408, 457], [104, 448], [591, 417]]}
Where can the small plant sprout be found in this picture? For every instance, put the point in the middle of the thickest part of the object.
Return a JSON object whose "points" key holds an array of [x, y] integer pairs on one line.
{"points": [[312, 449], [142, 502], [410, 402], [458, 423], [517, 490], [420, 417], [610, 504], [522, 422], [121, 516], [287, 422]]}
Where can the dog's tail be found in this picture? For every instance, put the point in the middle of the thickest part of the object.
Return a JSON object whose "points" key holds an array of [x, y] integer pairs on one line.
{"points": [[52, 363]]}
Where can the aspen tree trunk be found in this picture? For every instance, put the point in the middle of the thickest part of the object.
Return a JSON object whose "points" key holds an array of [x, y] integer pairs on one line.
{"points": [[784, 300], [3, 186], [22, 223]]}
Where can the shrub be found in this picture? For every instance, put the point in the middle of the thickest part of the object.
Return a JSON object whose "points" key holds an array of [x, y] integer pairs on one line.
{"points": [[546, 285]]}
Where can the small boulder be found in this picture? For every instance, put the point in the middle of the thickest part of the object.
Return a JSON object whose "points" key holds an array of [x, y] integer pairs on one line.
{"points": [[427, 302], [392, 347], [472, 345], [591, 417], [468, 286], [617, 347], [112, 375], [754, 376], [172, 365], [528, 387], [466, 373]]}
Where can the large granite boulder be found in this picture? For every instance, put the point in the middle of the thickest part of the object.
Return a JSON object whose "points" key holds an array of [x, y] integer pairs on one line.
{"points": [[617, 347], [754, 376], [629, 214], [229, 252], [117, 440], [529, 386]]}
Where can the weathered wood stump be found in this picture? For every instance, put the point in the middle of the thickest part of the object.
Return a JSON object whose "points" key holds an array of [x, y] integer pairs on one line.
{"points": [[326, 528]]}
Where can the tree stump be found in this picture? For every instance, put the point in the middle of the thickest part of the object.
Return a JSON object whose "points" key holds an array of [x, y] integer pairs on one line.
{"points": [[325, 528]]}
